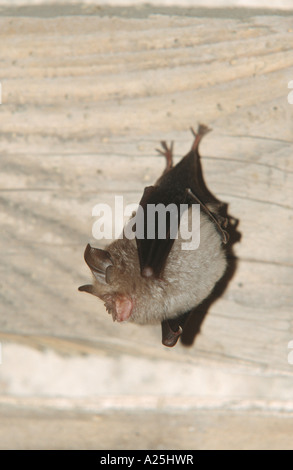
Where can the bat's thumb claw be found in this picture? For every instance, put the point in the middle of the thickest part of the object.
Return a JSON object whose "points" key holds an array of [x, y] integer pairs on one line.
{"points": [[170, 337]]}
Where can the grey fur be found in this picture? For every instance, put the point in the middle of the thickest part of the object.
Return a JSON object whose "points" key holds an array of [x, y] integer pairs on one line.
{"points": [[188, 278]]}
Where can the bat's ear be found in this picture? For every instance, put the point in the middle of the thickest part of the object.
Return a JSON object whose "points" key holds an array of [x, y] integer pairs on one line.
{"points": [[98, 261], [87, 288]]}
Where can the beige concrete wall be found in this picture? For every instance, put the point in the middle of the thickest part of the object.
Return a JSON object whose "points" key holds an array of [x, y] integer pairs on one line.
{"points": [[86, 98]]}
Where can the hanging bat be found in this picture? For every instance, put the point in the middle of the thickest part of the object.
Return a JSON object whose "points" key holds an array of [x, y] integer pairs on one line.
{"points": [[149, 280]]}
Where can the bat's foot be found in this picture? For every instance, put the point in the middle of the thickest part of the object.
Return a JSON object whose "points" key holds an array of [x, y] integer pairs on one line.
{"points": [[167, 152], [169, 336], [201, 131]]}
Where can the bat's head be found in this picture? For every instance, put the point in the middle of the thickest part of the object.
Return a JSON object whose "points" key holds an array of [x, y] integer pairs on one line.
{"points": [[111, 279]]}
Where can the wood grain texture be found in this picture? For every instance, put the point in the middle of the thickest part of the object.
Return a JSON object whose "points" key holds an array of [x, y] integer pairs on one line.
{"points": [[85, 101]]}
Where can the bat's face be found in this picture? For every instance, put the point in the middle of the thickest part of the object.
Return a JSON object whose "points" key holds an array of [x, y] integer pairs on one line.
{"points": [[114, 272], [118, 282]]}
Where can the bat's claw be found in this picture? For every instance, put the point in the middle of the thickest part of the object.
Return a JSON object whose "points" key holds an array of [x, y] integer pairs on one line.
{"points": [[167, 152], [201, 131], [220, 222]]}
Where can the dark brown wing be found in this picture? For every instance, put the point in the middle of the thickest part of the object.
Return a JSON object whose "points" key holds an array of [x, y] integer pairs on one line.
{"points": [[181, 184], [152, 249]]}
